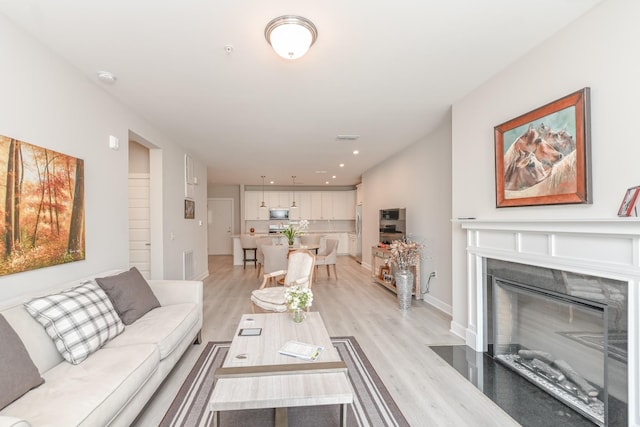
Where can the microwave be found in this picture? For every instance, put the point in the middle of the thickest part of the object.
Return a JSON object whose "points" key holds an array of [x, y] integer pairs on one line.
{"points": [[278, 213], [390, 214]]}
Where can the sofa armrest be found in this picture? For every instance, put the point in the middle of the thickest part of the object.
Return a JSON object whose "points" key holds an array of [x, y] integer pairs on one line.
{"points": [[6, 421], [177, 291]]}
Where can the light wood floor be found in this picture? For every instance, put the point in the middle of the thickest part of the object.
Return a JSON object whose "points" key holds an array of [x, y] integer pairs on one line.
{"points": [[428, 391]]}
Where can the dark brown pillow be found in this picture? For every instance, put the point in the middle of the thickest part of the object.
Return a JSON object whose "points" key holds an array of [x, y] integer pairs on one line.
{"points": [[130, 295], [18, 373]]}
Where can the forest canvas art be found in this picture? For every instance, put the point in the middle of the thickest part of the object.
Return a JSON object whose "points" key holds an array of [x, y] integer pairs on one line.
{"points": [[42, 202]]}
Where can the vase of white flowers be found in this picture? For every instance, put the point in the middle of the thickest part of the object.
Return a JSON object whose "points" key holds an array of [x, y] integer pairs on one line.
{"points": [[297, 300], [294, 230], [405, 254]]}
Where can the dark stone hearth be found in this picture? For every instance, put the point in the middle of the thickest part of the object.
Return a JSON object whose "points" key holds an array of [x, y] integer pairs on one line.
{"points": [[523, 401]]}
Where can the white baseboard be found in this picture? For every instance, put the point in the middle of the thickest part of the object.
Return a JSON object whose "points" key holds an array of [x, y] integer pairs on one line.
{"points": [[458, 330], [442, 306]]}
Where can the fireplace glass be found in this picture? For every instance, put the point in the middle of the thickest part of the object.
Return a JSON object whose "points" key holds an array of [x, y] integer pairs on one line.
{"points": [[534, 334]]}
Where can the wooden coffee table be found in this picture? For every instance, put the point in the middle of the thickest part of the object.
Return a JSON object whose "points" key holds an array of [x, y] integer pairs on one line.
{"points": [[254, 375]]}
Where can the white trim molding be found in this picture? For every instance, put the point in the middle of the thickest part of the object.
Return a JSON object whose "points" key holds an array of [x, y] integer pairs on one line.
{"points": [[599, 247]]}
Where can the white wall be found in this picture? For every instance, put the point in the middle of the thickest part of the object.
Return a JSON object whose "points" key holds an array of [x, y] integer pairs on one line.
{"points": [[600, 50], [48, 103], [418, 179]]}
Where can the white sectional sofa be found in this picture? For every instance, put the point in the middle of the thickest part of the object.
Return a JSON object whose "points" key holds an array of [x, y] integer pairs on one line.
{"points": [[112, 385]]}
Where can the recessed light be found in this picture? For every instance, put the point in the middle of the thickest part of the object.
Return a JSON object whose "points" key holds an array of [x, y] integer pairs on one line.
{"points": [[356, 152], [334, 177], [341, 165], [326, 182], [271, 182]]}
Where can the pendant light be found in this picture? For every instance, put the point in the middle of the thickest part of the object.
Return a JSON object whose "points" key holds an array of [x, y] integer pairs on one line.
{"points": [[263, 204], [293, 205]]}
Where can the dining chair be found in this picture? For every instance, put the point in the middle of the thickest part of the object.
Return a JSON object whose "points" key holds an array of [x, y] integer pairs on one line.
{"points": [[260, 242], [310, 239], [275, 258], [298, 271], [328, 256], [248, 244]]}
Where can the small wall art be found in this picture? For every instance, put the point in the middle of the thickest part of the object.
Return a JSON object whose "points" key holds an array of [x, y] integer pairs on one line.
{"points": [[189, 209], [630, 203], [544, 157], [42, 207]]}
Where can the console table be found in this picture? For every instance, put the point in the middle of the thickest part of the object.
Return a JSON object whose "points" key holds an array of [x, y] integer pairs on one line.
{"points": [[380, 263]]}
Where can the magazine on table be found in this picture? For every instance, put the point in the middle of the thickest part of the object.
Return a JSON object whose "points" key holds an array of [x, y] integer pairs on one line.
{"points": [[301, 350]]}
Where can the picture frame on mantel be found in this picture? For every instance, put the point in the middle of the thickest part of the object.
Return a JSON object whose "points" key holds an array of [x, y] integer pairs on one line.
{"points": [[630, 204], [543, 157]]}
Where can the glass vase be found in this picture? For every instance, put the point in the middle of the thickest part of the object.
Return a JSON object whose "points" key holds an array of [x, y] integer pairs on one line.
{"points": [[404, 283], [297, 315]]}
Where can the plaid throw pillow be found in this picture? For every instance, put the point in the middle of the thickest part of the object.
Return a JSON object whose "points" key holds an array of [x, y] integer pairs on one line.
{"points": [[79, 321]]}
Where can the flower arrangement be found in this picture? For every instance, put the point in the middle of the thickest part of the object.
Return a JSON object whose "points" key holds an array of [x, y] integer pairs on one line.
{"points": [[405, 253], [298, 298], [292, 230]]}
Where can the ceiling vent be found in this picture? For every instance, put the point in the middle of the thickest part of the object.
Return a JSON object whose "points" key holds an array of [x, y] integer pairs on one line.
{"points": [[347, 137]]}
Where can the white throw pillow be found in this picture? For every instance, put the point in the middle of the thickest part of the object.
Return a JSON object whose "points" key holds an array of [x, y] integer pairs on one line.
{"points": [[79, 320]]}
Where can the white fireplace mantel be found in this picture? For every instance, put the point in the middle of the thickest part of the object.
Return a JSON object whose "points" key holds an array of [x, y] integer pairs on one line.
{"points": [[599, 247]]}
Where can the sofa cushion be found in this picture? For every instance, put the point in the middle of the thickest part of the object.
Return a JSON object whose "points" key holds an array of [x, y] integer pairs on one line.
{"points": [[166, 327], [18, 373], [79, 320], [92, 393], [130, 294]]}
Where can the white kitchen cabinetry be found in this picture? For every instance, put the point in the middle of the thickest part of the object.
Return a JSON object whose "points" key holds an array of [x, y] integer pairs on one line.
{"points": [[352, 244], [338, 205], [344, 205], [303, 203], [252, 210], [316, 205], [359, 195], [327, 205], [277, 199], [311, 205]]}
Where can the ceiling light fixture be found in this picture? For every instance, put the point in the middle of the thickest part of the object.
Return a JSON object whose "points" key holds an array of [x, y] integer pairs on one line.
{"points": [[106, 77], [341, 165], [291, 36], [263, 204], [356, 152], [293, 179]]}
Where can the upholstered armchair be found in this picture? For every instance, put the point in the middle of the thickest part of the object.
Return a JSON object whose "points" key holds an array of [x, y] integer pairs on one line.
{"points": [[299, 271]]}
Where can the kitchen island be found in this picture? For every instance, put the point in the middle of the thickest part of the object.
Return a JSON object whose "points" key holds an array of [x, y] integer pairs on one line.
{"points": [[341, 236]]}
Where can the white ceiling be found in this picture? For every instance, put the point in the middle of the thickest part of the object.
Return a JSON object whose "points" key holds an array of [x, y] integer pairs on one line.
{"points": [[385, 70]]}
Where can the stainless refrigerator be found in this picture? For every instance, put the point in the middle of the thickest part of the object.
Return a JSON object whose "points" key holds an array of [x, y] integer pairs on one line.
{"points": [[359, 233]]}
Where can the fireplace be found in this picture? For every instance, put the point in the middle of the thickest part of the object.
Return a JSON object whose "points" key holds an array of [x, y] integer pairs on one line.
{"points": [[567, 288], [564, 332]]}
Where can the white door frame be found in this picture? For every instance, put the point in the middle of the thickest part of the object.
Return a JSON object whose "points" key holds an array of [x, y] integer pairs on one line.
{"points": [[210, 222]]}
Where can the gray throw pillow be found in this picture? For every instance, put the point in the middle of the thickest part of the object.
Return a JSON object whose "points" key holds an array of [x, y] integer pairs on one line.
{"points": [[130, 294], [18, 374]]}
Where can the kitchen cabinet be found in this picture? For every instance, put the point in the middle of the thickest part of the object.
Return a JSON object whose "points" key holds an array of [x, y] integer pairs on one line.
{"points": [[303, 203], [311, 205], [352, 244], [326, 209], [380, 263], [316, 205], [344, 205], [359, 195], [252, 209], [277, 199]]}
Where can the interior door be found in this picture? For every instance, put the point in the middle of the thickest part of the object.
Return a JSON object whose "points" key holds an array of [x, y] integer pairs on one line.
{"points": [[139, 224], [220, 226]]}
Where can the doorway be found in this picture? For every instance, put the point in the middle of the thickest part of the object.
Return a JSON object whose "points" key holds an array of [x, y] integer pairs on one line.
{"points": [[220, 226]]}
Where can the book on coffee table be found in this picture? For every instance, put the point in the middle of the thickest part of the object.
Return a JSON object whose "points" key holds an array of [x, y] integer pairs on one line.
{"points": [[301, 350]]}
